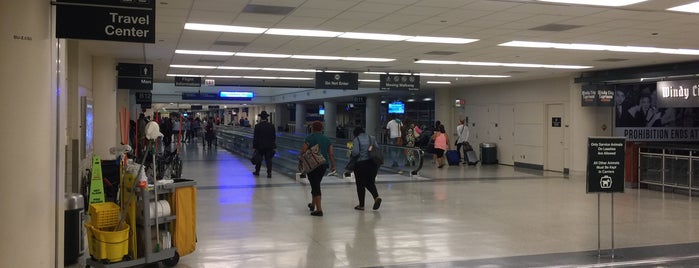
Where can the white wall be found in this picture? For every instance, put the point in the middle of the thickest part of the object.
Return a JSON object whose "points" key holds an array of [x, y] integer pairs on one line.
{"points": [[529, 99]]}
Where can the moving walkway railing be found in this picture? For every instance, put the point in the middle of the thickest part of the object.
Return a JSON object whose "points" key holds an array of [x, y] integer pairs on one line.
{"points": [[669, 167], [238, 140]]}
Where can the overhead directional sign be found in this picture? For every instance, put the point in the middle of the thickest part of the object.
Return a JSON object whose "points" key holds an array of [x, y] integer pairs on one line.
{"points": [[144, 97], [337, 81], [109, 20], [186, 81], [135, 76], [399, 82]]}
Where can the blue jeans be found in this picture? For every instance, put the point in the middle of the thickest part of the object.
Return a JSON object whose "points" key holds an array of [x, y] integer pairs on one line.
{"points": [[394, 153]]}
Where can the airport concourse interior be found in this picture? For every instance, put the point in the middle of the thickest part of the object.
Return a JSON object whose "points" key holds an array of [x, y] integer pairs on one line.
{"points": [[350, 133]]}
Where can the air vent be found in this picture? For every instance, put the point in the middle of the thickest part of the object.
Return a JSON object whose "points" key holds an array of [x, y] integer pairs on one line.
{"points": [[612, 60], [231, 43], [269, 10], [441, 53], [553, 27]]}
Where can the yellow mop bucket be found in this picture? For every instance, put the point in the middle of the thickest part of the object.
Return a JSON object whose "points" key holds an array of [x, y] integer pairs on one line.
{"points": [[109, 245]]}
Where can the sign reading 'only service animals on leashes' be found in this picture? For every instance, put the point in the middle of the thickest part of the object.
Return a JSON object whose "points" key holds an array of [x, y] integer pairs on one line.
{"points": [[605, 164]]}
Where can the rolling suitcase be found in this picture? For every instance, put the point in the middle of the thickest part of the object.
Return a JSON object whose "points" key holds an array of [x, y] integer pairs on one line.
{"points": [[471, 157], [453, 157]]}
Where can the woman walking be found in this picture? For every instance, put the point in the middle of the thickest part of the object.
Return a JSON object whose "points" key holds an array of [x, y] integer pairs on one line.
{"points": [[365, 169], [316, 175], [441, 144]]}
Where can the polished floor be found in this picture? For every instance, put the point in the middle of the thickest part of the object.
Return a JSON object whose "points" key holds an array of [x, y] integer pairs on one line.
{"points": [[460, 216]]}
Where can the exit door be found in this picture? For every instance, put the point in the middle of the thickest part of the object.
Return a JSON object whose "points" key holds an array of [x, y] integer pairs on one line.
{"points": [[555, 137]]}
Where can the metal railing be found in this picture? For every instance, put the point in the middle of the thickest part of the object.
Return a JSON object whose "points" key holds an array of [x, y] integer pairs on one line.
{"points": [[238, 140], [675, 168]]}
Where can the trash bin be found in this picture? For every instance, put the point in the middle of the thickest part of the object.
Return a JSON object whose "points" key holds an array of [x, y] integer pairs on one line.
{"points": [[489, 153], [74, 233]]}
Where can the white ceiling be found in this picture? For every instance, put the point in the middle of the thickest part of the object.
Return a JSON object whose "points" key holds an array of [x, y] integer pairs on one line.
{"points": [[491, 21]]}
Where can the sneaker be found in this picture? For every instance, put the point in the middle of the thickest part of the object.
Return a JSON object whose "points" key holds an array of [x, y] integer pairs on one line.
{"points": [[256, 173], [377, 203], [318, 213]]}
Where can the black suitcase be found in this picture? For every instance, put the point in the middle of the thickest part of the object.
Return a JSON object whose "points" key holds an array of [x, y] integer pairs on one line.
{"points": [[471, 157]]}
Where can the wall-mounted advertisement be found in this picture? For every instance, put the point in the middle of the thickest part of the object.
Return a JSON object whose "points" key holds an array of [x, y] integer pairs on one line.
{"points": [[639, 117], [597, 95], [678, 93]]}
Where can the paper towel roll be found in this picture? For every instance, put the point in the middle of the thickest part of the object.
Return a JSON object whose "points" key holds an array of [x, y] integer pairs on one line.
{"points": [[163, 209]]}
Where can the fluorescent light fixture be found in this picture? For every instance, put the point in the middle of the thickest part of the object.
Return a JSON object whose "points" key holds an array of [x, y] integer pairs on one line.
{"points": [[401, 73], [223, 28], [331, 71], [238, 68], [225, 76], [369, 80], [375, 72], [439, 82], [367, 59], [383, 102], [301, 32], [260, 77], [314, 57], [295, 78], [597, 47], [277, 78], [184, 75], [609, 3], [204, 52], [289, 70], [443, 40], [374, 36], [427, 99], [502, 64], [691, 8], [410, 100], [261, 55], [192, 66]]}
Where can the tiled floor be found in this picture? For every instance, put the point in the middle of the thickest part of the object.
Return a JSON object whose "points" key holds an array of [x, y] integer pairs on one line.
{"points": [[482, 216]]}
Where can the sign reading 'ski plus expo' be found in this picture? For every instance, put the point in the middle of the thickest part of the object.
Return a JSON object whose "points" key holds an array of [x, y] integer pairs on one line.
{"points": [[108, 20]]}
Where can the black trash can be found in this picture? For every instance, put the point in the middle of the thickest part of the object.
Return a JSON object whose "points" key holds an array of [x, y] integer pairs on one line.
{"points": [[489, 153], [74, 232]]}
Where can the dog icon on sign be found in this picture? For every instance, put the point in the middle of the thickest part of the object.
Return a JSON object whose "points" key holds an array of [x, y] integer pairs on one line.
{"points": [[605, 182]]}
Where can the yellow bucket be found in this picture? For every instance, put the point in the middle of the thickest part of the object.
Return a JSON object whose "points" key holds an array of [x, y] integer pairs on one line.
{"points": [[108, 244], [104, 215]]}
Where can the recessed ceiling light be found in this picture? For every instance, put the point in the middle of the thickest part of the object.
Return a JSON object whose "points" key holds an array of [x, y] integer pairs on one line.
{"points": [[374, 36], [261, 55], [439, 82], [383, 102], [691, 8], [367, 59], [224, 76], [609, 3], [443, 40], [518, 65], [410, 100], [289, 70], [427, 99], [314, 57], [238, 68], [301, 32], [185, 75], [597, 47], [223, 28], [375, 72], [369, 80], [204, 52]]}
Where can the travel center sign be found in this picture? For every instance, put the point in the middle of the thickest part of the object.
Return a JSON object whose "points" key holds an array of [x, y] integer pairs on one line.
{"points": [[109, 20]]}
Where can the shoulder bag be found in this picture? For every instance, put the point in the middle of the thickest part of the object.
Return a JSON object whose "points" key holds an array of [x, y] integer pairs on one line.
{"points": [[375, 154], [311, 159]]}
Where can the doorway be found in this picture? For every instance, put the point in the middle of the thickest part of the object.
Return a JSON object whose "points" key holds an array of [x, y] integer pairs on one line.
{"points": [[555, 149]]}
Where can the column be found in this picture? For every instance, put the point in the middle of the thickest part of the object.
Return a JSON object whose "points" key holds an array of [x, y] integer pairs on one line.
{"points": [[330, 119], [443, 110], [300, 118], [30, 137], [372, 115], [104, 94], [281, 117]]}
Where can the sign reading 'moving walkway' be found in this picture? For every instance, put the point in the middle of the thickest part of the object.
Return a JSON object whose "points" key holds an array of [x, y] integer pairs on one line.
{"points": [[109, 20]]}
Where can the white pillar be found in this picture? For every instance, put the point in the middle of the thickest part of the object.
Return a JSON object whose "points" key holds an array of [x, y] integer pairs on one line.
{"points": [[442, 109], [31, 137], [300, 118], [281, 117], [104, 94], [330, 119], [372, 115]]}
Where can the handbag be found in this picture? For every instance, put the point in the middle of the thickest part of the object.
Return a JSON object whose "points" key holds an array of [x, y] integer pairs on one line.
{"points": [[256, 158], [311, 159], [351, 165], [375, 155]]}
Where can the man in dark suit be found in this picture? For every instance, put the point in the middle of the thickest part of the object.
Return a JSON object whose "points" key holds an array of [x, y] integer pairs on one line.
{"points": [[621, 110], [264, 143]]}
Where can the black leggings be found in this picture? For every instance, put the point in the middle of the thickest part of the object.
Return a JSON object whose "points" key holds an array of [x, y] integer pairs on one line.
{"points": [[314, 178], [365, 173]]}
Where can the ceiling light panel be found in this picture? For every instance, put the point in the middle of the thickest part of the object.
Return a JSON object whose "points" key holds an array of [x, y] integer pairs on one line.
{"points": [[374, 36], [609, 3], [184, 75], [223, 28], [314, 57], [503, 64], [598, 47], [442, 40], [439, 82], [203, 52], [690, 8], [261, 55], [301, 32], [192, 66]]}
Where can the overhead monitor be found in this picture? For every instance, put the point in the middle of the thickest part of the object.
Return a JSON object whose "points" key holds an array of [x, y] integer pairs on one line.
{"points": [[396, 107], [236, 95]]}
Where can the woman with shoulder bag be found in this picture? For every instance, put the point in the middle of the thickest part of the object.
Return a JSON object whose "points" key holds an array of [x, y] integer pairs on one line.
{"points": [[316, 175], [365, 169]]}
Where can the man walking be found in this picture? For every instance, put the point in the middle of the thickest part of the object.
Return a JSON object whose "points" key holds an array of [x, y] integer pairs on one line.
{"points": [[394, 131], [264, 143], [462, 138]]}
